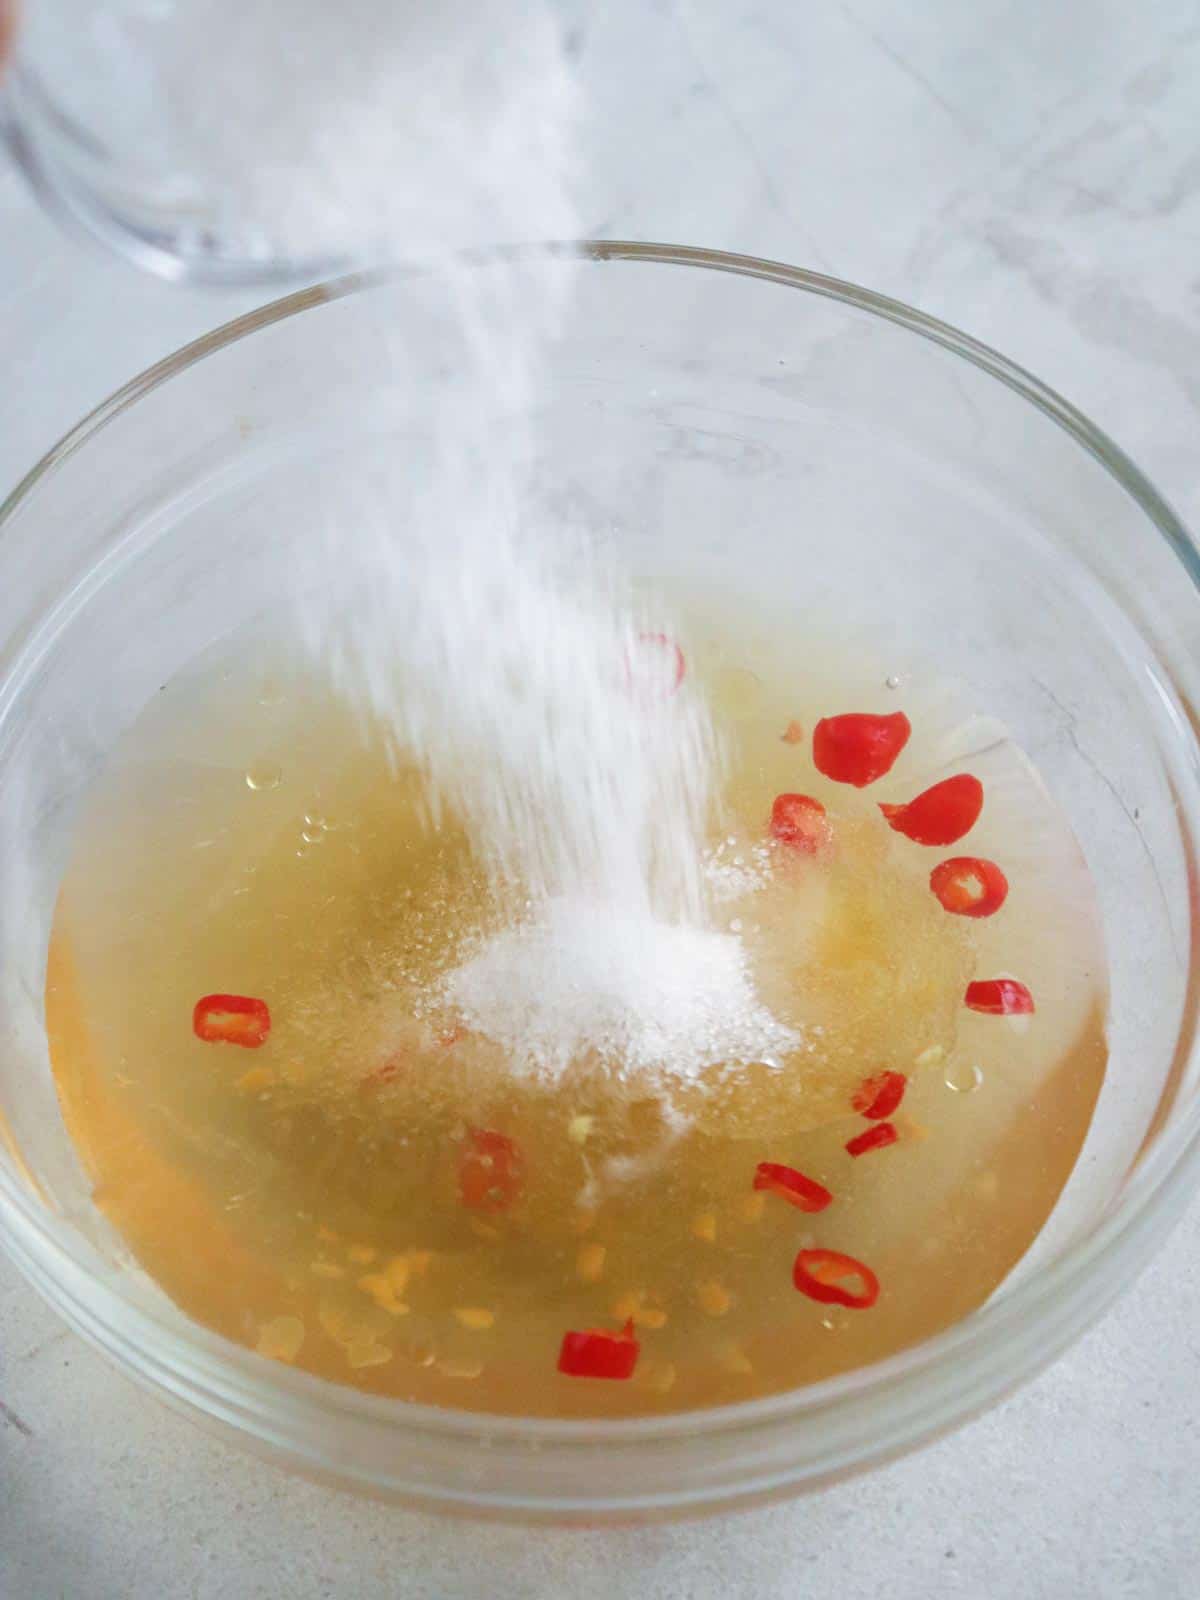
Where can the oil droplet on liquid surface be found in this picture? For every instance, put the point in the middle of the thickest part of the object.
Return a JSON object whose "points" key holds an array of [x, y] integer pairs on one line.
{"points": [[263, 775], [964, 1077]]}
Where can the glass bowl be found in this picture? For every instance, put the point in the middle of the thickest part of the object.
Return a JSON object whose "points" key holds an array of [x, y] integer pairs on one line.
{"points": [[813, 449]]}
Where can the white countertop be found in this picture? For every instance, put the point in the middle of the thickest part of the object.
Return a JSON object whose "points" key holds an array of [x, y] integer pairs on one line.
{"points": [[1030, 172]]}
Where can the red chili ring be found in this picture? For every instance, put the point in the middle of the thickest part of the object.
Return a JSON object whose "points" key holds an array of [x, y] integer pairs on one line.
{"points": [[940, 815], [491, 1172], [877, 1097], [659, 657], [818, 1274], [859, 747], [596, 1353], [969, 886], [999, 997], [799, 822], [806, 1194], [231, 1019], [876, 1137]]}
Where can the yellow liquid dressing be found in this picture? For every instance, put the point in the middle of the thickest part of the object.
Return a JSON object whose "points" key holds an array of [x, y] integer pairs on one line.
{"points": [[306, 1198]]}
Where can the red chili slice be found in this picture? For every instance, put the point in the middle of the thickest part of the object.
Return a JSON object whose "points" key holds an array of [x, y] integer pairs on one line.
{"points": [[941, 815], [857, 748], [656, 667], [799, 821], [231, 1019], [879, 1096], [999, 997], [969, 886], [877, 1137], [804, 1193], [492, 1171], [595, 1353], [820, 1274]]}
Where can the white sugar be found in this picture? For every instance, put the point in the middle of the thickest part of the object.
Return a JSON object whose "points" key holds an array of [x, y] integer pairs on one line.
{"points": [[731, 873], [640, 997]]}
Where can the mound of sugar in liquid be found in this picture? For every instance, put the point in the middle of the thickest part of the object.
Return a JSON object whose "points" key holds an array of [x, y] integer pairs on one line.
{"points": [[589, 978]]}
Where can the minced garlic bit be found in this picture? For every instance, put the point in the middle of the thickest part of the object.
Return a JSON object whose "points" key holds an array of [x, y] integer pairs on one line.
{"points": [[713, 1298], [384, 1293], [751, 1207], [631, 1304], [658, 1376], [704, 1226], [909, 1128], [397, 1272], [451, 1368], [733, 1359], [257, 1079], [367, 1353], [476, 1318], [327, 1269], [336, 1322], [793, 733], [589, 1263], [579, 1129], [399, 1269], [281, 1338]]}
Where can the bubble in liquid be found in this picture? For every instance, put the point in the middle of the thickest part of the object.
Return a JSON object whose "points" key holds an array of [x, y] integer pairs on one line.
{"points": [[892, 681], [835, 1319], [263, 775], [314, 819], [963, 1077], [312, 835]]}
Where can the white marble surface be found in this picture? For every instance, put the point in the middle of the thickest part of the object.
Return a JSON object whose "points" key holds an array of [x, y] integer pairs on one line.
{"points": [[1031, 172]]}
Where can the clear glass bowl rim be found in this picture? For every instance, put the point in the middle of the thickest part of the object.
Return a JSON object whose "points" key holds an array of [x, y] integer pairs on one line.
{"points": [[968, 1365]]}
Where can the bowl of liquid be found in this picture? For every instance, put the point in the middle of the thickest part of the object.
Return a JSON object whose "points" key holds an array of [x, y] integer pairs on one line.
{"points": [[316, 1129]]}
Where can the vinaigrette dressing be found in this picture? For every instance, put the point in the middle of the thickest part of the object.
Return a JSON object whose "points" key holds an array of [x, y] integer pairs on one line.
{"points": [[368, 1187]]}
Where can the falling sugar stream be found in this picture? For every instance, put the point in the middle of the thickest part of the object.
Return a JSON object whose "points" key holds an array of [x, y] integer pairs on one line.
{"points": [[479, 635]]}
